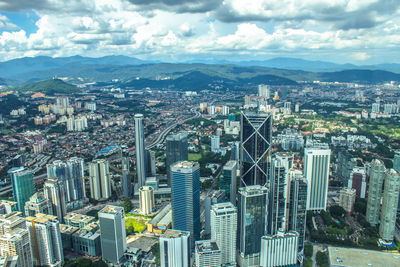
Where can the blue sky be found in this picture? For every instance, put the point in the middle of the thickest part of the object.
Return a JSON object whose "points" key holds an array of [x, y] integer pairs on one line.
{"points": [[341, 31]]}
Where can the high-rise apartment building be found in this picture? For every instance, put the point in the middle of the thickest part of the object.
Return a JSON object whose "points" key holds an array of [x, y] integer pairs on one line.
{"points": [[376, 178], [297, 206], [186, 197], [358, 181], [396, 162], [175, 249], [279, 249], [228, 180], [126, 178], [224, 230], [215, 143], [45, 239], [140, 150], [255, 137], [14, 238], [347, 198], [22, 185], [100, 181], [390, 201], [54, 191], [207, 254], [37, 204], [316, 171], [146, 199], [112, 233], [177, 150], [264, 90], [252, 202]]}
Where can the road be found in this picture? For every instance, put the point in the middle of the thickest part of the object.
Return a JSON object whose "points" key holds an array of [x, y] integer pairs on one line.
{"points": [[160, 138]]}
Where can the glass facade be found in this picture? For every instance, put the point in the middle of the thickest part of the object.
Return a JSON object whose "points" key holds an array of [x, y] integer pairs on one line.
{"points": [[177, 150], [23, 186]]}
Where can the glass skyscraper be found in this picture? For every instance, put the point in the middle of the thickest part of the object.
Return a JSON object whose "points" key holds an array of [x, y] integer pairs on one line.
{"points": [[377, 175], [140, 151], [186, 198], [177, 150], [22, 185], [227, 181], [252, 202], [255, 137]]}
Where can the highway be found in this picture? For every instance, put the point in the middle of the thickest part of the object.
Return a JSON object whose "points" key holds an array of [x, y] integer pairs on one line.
{"points": [[160, 138]]}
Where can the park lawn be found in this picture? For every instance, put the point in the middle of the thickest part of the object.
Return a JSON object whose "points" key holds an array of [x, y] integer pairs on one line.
{"points": [[138, 225], [194, 156]]}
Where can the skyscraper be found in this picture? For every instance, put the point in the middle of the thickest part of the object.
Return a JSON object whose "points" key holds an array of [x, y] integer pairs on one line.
{"points": [[224, 230], [22, 185], [100, 181], [255, 137], [396, 162], [297, 206], [146, 199], [186, 197], [215, 143], [112, 233], [140, 150], [54, 191], [277, 197], [228, 180], [37, 204], [316, 171], [263, 90], [175, 249], [177, 150], [14, 238], [207, 254], [45, 239], [389, 205], [347, 198], [252, 202], [358, 181], [279, 249], [377, 175], [126, 178]]}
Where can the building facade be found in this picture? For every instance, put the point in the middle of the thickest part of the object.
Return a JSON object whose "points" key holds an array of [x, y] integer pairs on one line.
{"points": [[207, 254], [228, 180], [22, 185], [376, 178], [279, 250], [140, 150], [347, 197], [37, 204], [54, 191], [175, 249], [146, 200], [100, 181], [176, 150]]}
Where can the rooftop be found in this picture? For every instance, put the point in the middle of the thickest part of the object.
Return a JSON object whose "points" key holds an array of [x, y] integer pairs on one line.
{"points": [[79, 217], [175, 233], [206, 246], [230, 164], [184, 164], [344, 257], [144, 243], [66, 229], [112, 209]]}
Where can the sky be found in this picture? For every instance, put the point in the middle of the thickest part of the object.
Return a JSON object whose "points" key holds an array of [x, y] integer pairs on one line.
{"points": [[341, 31]]}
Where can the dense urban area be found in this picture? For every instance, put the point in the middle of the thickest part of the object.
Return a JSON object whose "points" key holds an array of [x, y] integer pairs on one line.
{"points": [[303, 174]]}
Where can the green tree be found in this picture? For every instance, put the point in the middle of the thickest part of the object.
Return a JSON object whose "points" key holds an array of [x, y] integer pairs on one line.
{"points": [[360, 206], [308, 250], [127, 205], [336, 211], [322, 259]]}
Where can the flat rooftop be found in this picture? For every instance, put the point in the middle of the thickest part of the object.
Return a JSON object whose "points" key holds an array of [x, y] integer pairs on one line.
{"points": [[111, 209], [206, 246], [174, 233], [352, 257], [144, 243]]}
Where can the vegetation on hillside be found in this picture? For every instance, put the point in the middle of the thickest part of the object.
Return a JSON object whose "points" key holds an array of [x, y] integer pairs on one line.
{"points": [[49, 87]]}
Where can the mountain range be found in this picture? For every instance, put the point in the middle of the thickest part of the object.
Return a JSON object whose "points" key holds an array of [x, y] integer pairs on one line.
{"points": [[136, 72]]}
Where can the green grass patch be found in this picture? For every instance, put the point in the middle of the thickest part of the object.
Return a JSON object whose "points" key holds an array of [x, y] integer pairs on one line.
{"points": [[194, 156], [136, 223]]}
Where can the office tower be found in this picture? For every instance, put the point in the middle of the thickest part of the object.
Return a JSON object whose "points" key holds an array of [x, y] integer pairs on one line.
{"points": [[146, 199], [316, 171], [297, 206], [216, 197], [389, 205], [186, 198], [252, 202], [54, 191], [100, 181], [112, 233], [255, 137], [45, 239], [345, 165], [14, 238], [358, 181], [37, 204], [6, 206], [347, 197], [263, 90], [126, 178], [150, 163], [377, 175], [140, 150], [22, 185], [277, 197], [279, 249], [228, 181], [207, 254], [175, 249], [215, 143], [224, 230], [177, 150]]}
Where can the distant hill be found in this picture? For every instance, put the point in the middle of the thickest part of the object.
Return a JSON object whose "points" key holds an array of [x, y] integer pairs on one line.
{"points": [[49, 87], [369, 76]]}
